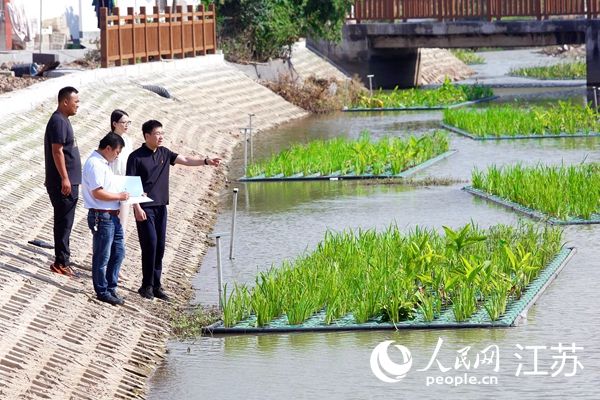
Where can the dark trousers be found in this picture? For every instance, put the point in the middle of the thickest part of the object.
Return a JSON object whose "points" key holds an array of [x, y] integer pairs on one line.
{"points": [[152, 233], [64, 215]]}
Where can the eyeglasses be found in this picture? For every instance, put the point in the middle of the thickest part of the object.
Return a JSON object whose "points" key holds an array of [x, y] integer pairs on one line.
{"points": [[126, 123]]}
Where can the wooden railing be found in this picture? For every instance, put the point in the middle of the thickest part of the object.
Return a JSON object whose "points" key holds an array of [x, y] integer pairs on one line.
{"points": [[141, 37], [471, 9]]}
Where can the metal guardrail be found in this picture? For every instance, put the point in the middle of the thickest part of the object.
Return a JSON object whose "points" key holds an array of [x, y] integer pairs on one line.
{"points": [[444, 10], [138, 37]]}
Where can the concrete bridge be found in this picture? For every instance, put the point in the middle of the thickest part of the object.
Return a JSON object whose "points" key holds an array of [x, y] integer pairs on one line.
{"points": [[383, 37]]}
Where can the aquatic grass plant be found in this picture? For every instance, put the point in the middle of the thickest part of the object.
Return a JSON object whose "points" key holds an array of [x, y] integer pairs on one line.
{"points": [[514, 120], [572, 70], [235, 306], [187, 322], [447, 94], [468, 56], [563, 192], [395, 276], [345, 156]]}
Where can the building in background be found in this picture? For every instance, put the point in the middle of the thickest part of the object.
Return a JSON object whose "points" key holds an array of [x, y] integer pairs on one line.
{"points": [[67, 20]]}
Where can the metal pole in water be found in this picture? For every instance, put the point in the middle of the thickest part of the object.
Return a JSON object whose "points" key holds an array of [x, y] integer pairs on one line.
{"points": [[233, 216], [370, 84], [251, 146], [219, 273], [245, 150], [217, 237]]}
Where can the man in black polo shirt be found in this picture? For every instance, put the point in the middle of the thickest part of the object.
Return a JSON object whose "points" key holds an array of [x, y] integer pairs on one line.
{"points": [[152, 163], [63, 175]]}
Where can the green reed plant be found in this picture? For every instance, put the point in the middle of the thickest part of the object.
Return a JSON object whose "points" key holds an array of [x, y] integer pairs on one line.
{"points": [[514, 120], [468, 56], [572, 70], [562, 192], [392, 275], [464, 302], [363, 156], [429, 305], [446, 94], [236, 306]]}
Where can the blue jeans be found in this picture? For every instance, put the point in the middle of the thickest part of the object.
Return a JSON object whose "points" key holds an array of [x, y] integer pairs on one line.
{"points": [[108, 250]]}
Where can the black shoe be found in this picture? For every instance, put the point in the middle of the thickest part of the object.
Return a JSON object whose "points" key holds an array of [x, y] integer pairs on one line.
{"points": [[115, 294], [160, 294], [110, 299], [146, 292]]}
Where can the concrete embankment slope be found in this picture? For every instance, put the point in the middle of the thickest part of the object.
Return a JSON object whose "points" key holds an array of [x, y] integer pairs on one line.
{"points": [[56, 340]]}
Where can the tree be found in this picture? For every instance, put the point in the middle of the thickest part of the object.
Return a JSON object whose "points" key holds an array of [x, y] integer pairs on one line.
{"points": [[270, 27]]}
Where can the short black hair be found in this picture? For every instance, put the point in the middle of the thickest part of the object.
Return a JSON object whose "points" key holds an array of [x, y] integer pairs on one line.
{"points": [[113, 140], [149, 126], [116, 116], [65, 93]]}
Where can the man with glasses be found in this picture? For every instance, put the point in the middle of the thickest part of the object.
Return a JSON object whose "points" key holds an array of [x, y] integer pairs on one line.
{"points": [[152, 163]]}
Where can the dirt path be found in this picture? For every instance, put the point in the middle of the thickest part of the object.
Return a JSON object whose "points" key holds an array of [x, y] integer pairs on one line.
{"points": [[56, 340]]}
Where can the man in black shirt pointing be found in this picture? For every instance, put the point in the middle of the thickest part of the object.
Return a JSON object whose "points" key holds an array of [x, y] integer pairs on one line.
{"points": [[152, 163]]}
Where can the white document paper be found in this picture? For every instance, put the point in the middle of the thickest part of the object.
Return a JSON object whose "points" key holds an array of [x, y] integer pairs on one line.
{"points": [[131, 185]]}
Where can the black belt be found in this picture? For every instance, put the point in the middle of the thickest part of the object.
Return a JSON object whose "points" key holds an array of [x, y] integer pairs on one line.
{"points": [[111, 212]]}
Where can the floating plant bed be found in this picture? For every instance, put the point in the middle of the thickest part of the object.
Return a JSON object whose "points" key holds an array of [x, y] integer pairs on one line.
{"points": [[562, 120], [491, 136], [574, 70], [341, 158], [594, 219], [561, 195], [422, 108], [335, 176], [469, 278], [446, 96], [516, 312]]}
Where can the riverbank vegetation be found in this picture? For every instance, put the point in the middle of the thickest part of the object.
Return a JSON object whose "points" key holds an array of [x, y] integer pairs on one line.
{"points": [[390, 155], [317, 95], [468, 56], [188, 322], [515, 120], [573, 70], [262, 29], [562, 192], [447, 94], [395, 276]]}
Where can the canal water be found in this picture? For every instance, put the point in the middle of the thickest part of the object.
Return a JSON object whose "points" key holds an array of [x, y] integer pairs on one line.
{"points": [[555, 354]]}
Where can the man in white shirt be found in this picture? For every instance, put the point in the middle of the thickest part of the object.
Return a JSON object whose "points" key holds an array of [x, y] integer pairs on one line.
{"points": [[103, 218]]}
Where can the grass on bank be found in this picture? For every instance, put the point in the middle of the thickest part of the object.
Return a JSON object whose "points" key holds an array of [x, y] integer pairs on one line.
{"points": [[574, 70], [562, 192], [514, 120], [317, 95], [468, 56], [188, 322], [447, 94], [393, 276], [325, 157]]}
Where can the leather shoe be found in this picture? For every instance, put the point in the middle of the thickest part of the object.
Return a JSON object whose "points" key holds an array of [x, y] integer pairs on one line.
{"points": [[160, 294], [115, 294], [146, 292], [110, 299]]}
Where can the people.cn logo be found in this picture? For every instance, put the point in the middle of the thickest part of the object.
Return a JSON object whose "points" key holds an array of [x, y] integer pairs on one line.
{"points": [[384, 368]]}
